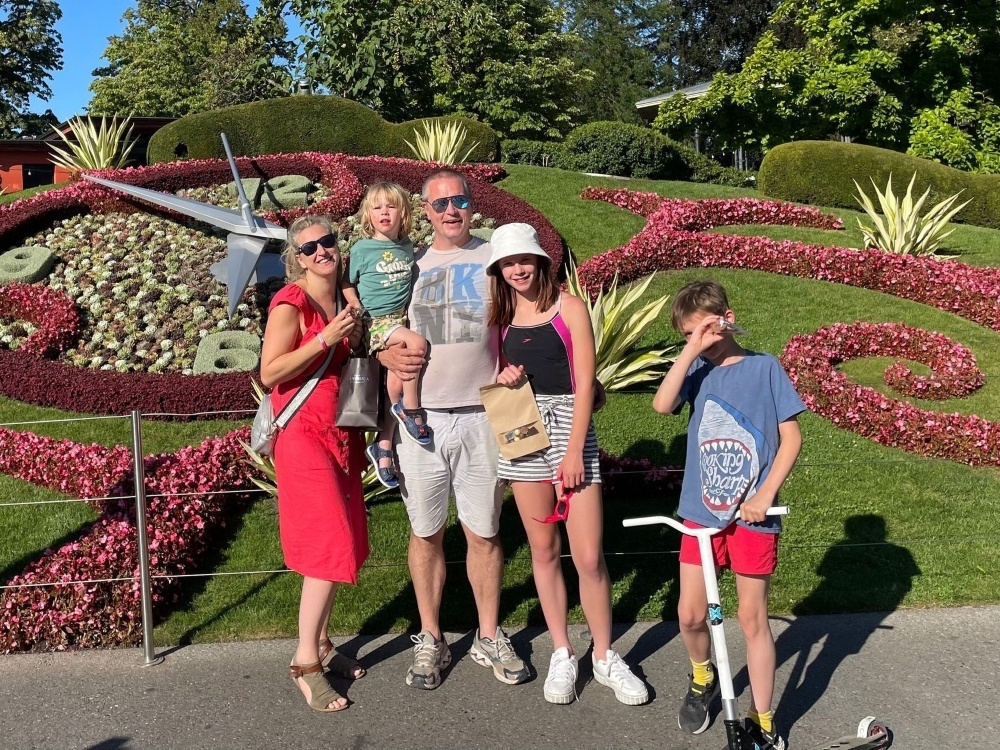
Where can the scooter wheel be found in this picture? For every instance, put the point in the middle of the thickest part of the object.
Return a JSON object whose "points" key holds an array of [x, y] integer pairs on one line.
{"points": [[872, 727]]}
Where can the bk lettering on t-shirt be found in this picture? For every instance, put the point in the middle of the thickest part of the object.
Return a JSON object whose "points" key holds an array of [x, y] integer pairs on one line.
{"points": [[448, 306]]}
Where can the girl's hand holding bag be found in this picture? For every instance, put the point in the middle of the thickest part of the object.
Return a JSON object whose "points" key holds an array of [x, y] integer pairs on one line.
{"points": [[515, 419]]}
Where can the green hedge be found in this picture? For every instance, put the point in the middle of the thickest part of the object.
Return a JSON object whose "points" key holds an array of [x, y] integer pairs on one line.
{"points": [[524, 151], [626, 150], [301, 123], [822, 173]]}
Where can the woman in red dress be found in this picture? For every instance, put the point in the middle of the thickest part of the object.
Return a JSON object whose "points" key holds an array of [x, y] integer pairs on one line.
{"points": [[321, 509]]}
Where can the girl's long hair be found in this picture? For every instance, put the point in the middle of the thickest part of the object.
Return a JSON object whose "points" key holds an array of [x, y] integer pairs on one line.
{"points": [[502, 295]]}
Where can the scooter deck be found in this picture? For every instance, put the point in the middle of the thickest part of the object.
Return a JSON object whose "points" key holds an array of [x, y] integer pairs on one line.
{"points": [[853, 742], [849, 742]]}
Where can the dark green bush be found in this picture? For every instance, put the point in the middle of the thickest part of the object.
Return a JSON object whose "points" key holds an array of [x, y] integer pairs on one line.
{"points": [[822, 173], [708, 170], [626, 150], [301, 123], [524, 151]]}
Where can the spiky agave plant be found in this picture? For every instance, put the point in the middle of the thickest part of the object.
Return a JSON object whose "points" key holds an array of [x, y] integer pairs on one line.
{"points": [[265, 464], [620, 361], [441, 143], [899, 228], [107, 146]]}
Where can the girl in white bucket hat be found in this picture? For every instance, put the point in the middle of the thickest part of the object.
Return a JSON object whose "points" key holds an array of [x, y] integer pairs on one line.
{"points": [[547, 337]]}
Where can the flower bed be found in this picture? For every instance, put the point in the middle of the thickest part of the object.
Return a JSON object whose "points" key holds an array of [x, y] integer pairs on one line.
{"points": [[186, 508], [51, 313], [114, 389], [674, 238], [811, 362]]}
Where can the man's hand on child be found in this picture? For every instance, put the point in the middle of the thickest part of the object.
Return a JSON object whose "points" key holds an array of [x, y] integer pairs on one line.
{"points": [[511, 375], [406, 362]]}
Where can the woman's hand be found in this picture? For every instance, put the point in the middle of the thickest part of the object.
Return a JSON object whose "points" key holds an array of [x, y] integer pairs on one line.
{"points": [[511, 375], [339, 327]]}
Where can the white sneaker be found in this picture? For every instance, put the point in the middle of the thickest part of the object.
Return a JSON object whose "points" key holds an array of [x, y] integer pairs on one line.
{"points": [[560, 684], [615, 674]]}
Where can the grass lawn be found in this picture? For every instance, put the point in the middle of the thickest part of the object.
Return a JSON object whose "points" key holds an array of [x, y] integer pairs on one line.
{"points": [[923, 527]]}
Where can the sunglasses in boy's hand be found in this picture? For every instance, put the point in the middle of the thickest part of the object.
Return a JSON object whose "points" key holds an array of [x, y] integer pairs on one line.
{"points": [[458, 201], [308, 249]]}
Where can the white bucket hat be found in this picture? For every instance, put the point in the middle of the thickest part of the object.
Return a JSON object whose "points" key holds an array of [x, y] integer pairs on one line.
{"points": [[514, 239]]}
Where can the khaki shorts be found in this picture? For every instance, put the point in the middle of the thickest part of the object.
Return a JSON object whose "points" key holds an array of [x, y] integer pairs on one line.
{"points": [[378, 329], [462, 460]]}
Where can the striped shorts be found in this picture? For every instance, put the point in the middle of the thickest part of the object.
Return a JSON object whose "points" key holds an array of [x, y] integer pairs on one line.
{"points": [[541, 466]]}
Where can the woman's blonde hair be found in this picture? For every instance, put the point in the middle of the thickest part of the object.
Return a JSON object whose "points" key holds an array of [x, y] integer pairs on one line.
{"points": [[293, 270], [396, 196]]}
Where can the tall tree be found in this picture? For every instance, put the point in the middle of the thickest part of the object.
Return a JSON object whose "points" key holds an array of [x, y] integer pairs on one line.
{"points": [[34, 124], [507, 64], [175, 57], [30, 49], [712, 36], [619, 44], [915, 75]]}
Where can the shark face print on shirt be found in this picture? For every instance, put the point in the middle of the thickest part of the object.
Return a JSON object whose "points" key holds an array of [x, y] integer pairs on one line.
{"points": [[729, 450]]}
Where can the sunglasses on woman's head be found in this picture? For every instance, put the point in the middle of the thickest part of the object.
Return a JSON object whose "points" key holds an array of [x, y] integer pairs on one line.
{"points": [[309, 248], [458, 201]]}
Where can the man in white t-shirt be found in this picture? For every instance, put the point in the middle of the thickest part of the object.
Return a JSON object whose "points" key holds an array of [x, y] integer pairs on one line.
{"points": [[449, 309]]}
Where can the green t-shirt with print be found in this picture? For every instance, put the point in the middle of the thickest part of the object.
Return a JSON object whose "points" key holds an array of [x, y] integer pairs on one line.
{"points": [[382, 271]]}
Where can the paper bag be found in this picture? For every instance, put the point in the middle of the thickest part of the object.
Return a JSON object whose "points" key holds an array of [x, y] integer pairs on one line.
{"points": [[515, 419]]}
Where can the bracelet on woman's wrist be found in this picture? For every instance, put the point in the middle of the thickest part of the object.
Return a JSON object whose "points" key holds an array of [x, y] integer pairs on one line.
{"points": [[322, 342]]}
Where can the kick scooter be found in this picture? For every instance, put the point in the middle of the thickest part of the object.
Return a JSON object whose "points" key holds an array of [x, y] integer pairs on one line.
{"points": [[872, 734]]}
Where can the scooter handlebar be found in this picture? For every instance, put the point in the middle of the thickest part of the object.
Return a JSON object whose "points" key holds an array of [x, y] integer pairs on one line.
{"points": [[777, 510]]}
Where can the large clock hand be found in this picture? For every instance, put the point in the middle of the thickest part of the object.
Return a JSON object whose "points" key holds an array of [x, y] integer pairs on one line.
{"points": [[248, 234]]}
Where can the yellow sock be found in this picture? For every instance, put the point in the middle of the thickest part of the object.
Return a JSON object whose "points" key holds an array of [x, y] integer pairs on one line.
{"points": [[702, 672], [765, 720]]}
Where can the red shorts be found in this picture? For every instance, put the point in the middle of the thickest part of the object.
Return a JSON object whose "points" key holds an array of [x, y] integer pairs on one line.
{"points": [[742, 550]]}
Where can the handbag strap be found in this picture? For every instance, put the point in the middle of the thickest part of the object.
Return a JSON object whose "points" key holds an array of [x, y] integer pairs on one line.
{"points": [[282, 419]]}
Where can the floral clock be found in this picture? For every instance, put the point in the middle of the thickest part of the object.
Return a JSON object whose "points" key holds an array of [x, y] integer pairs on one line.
{"points": [[64, 346]]}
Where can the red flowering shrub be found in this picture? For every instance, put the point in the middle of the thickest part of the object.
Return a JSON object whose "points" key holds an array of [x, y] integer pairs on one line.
{"points": [[673, 239], [50, 311], [190, 493], [811, 362]]}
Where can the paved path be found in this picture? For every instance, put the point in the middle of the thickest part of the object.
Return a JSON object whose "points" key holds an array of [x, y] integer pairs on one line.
{"points": [[931, 674]]}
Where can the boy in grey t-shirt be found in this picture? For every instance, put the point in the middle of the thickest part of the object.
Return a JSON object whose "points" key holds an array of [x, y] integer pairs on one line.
{"points": [[743, 440]]}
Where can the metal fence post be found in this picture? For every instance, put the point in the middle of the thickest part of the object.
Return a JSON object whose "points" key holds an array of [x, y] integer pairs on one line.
{"points": [[149, 653]]}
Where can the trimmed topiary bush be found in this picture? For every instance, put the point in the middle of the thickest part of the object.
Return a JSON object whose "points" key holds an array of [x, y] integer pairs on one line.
{"points": [[294, 124], [26, 264], [227, 351], [626, 150], [822, 173]]}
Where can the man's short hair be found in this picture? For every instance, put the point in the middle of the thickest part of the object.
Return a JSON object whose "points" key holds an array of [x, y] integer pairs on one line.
{"points": [[446, 174], [696, 297]]}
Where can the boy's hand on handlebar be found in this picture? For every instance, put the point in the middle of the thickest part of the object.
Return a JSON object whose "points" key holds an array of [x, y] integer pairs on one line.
{"points": [[754, 510]]}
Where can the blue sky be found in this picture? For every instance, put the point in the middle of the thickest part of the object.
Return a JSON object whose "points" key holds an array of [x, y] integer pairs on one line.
{"points": [[85, 27]]}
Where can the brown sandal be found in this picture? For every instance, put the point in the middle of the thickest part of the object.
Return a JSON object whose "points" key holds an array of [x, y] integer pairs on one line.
{"points": [[340, 665], [319, 686]]}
